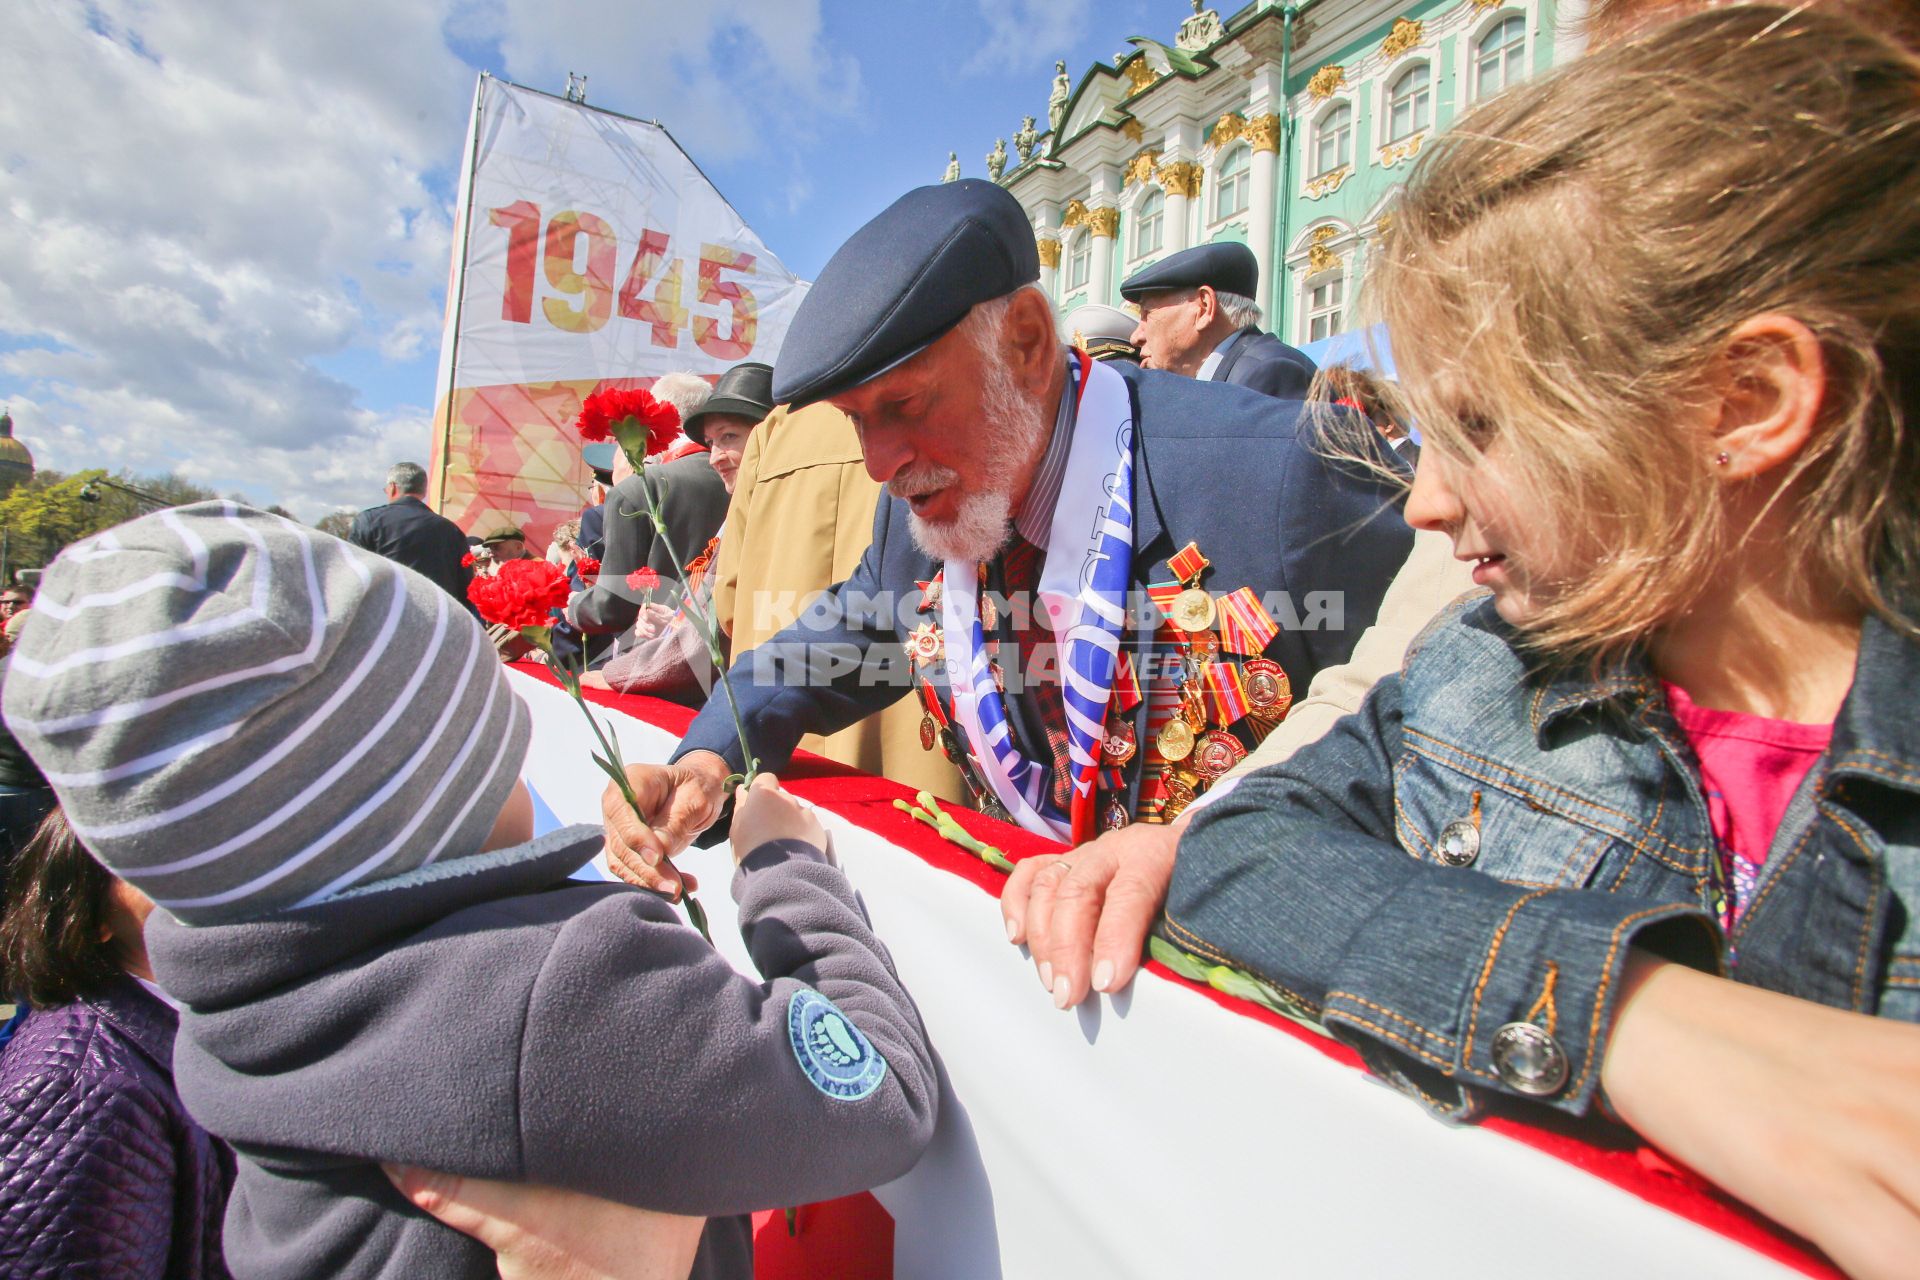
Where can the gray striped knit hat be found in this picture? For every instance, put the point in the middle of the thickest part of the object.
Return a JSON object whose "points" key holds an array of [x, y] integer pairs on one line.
{"points": [[240, 714]]}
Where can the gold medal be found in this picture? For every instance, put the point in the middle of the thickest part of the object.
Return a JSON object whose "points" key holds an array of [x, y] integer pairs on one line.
{"points": [[1175, 739], [1193, 610], [1216, 753], [1269, 692], [929, 733], [1180, 793]]}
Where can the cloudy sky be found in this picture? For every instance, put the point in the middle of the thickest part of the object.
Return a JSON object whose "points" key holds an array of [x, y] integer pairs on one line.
{"points": [[225, 247]]}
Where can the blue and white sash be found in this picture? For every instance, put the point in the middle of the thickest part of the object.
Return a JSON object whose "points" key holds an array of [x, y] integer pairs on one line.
{"points": [[1083, 591]]}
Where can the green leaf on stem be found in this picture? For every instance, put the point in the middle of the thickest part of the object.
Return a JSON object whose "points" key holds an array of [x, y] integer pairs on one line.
{"points": [[697, 914]]}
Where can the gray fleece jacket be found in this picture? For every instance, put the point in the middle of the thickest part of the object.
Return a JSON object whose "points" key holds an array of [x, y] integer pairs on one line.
{"points": [[489, 1017]]}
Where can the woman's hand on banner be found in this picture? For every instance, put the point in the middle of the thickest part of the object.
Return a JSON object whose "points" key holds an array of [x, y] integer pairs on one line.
{"points": [[1085, 915]]}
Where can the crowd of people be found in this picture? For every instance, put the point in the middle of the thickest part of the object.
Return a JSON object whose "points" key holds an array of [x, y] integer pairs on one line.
{"points": [[1533, 724]]}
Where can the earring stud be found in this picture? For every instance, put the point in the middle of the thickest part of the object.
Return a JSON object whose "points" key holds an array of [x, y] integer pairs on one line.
{"points": [[1721, 458]]}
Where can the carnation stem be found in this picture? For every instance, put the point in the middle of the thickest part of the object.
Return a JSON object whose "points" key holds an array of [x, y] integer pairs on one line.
{"points": [[709, 630], [617, 767]]}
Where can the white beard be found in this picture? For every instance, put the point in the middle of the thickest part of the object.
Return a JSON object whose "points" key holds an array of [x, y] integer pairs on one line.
{"points": [[977, 532]]}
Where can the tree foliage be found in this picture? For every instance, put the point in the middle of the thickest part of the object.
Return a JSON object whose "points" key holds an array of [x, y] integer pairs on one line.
{"points": [[336, 523], [51, 510]]}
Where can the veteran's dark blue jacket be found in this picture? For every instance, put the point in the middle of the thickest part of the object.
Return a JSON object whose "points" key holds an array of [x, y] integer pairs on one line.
{"points": [[1262, 362], [1245, 476]]}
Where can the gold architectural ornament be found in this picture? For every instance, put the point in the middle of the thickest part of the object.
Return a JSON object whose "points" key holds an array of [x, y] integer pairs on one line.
{"points": [[1405, 35], [1383, 227], [1393, 153], [1104, 223], [1227, 128], [1327, 81], [1328, 183], [1049, 251], [1140, 168], [1074, 216], [1319, 256], [1181, 178], [1482, 5], [1263, 132], [1141, 72], [1132, 131]]}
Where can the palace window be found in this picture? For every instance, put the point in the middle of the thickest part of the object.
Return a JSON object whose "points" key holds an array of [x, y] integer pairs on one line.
{"points": [[1324, 304], [1078, 259], [1149, 222], [1333, 140], [1410, 103], [1500, 56], [1232, 190]]}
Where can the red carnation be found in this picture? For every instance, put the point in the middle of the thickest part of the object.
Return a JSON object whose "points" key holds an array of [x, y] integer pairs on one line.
{"points": [[608, 408], [523, 594], [586, 566], [466, 561], [643, 580]]}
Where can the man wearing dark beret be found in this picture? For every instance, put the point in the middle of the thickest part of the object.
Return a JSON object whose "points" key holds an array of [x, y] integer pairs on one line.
{"points": [[1097, 580], [1198, 318]]}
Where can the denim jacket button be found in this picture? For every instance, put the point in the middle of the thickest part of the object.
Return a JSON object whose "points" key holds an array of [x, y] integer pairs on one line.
{"points": [[1459, 843], [1528, 1060]]}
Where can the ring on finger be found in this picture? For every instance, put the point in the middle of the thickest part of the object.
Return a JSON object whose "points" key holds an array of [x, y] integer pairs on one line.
{"points": [[1063, 866]]}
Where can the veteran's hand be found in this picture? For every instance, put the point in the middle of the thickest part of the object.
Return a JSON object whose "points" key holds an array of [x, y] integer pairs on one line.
{"points": [[542, 1234], [767, 811], [1808, 1113], [1085, 915], [652, 621], [680, 800]]}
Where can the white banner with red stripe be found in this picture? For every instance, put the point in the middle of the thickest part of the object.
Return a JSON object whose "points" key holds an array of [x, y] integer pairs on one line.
{"points": [[1167, 1131]]}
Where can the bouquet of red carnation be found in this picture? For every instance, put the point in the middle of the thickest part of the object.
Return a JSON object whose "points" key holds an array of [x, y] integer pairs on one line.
{"points": [[523, 595], [587, 567], [641, 424]]}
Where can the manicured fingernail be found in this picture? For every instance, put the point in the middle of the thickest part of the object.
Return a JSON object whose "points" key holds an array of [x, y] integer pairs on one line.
{"points": [[1102, 975], [1060, 993], [1013, 929], [1046, 975]]}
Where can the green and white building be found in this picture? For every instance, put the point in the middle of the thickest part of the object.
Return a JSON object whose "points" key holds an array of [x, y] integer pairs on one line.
{"points": [[1284, 126]]}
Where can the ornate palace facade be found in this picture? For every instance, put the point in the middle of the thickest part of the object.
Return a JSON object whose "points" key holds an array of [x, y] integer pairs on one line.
{"points": [[1285, 126]]}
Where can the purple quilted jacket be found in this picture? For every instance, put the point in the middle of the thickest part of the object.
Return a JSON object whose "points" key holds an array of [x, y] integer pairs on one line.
{"points": [[103, 1174]]}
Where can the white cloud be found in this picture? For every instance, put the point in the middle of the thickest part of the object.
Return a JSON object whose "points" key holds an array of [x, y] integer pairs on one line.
{"points": [[205, 206], [1023, 33]]}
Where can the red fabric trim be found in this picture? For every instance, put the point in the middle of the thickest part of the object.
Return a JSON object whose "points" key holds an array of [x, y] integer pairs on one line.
{"points": [[848, 1239], [1607, 1151]]}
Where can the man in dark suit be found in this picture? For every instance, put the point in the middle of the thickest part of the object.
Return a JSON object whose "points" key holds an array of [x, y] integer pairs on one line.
{"points": [[409, 532], [1199, 529], [593, 517], [693, 501], [1198, 318]]}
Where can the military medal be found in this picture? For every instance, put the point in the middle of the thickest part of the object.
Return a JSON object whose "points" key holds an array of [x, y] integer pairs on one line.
{"points": [[1193, 610], [1269, 692], [1175, 739], [929, 732], [1116, 815], [1119, 744], [926, 644], [1180, 792], [929, 594], [1216, 753], [989, 616]]}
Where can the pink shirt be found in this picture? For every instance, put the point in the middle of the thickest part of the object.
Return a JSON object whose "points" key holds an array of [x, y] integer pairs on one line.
{"points": [[1750, 767]]}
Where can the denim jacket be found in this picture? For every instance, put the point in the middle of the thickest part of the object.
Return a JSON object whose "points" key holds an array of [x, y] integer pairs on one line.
{"points": [[1452, 878]]}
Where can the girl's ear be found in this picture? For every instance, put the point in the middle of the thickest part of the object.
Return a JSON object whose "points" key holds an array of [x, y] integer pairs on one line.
{"points": [[1772, 383]]}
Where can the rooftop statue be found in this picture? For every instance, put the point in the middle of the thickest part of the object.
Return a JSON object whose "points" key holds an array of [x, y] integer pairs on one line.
{"points": [[1057, 100], [1025, 140], [953, 167], [997, 159]]}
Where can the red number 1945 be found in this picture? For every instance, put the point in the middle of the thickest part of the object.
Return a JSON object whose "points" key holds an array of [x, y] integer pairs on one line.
{"points": [[651, 293]]}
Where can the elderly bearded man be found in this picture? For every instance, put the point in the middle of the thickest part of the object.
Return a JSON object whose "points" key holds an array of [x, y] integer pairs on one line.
{"points": [[1014, 468]]}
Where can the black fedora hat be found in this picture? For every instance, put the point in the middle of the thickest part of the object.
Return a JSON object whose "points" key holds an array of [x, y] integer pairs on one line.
{"points": [[745, 390]]}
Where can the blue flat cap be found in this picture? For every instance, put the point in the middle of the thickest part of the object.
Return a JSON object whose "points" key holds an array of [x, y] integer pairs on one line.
{"points": [[902, 281], [1226, 267]]}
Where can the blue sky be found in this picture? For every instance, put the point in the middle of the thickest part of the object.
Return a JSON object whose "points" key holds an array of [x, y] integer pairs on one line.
{"points": [[226, 244]]}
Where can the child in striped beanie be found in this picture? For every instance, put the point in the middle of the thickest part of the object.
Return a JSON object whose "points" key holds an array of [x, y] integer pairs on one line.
{"points": [[308, 757]]}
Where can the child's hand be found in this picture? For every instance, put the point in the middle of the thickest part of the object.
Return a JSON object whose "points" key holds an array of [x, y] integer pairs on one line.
{"points": [[766, 812], [1811, 1114]]}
